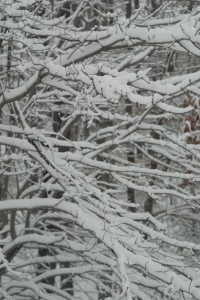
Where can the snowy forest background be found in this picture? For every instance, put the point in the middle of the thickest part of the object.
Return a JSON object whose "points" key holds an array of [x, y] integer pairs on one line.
{"points": [[99, 149]]}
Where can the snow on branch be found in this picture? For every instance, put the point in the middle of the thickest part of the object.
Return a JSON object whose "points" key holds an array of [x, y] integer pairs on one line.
{"points": [[99, 150]]}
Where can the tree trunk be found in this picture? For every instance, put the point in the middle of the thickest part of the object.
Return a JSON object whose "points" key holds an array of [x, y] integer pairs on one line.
{"points": [[129, 9]]}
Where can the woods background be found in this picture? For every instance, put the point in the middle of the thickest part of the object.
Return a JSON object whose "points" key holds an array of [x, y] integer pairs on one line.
{"points": [[99, 149]]}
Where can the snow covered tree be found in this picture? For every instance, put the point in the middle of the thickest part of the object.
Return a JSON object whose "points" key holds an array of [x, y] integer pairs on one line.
{"points": [[99, 120]]}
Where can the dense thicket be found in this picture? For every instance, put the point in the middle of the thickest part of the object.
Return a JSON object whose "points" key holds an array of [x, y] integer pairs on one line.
{"points": [[99, 144]]}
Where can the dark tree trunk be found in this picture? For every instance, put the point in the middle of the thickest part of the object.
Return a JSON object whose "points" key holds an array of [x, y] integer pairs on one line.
{"points": [[137, 4], [131, 158], [155, 4], [131, 192], [129, 9]]}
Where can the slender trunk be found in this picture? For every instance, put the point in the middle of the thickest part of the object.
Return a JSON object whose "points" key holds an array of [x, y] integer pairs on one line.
{"points": [[131, 158], [137, 4], [129, 9]]}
